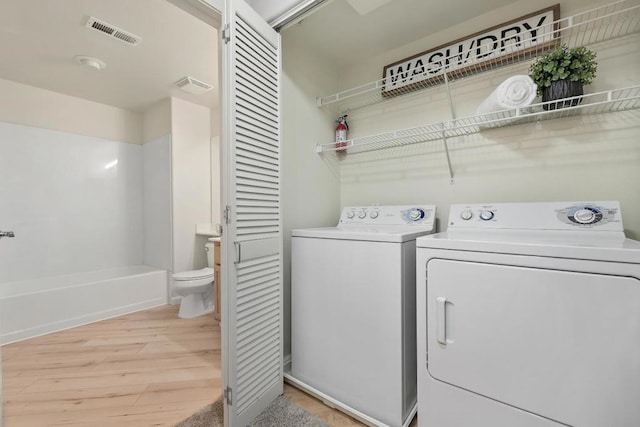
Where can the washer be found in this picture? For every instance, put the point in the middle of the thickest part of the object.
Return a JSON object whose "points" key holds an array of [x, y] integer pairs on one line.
{"points": [[353, 311], [529, 315]]}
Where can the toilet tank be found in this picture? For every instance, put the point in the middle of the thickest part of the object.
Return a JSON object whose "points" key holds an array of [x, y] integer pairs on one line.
{"points": [[209, 248]]}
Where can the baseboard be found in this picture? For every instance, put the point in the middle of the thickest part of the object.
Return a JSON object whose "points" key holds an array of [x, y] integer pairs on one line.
{"points": [[286, 362]]}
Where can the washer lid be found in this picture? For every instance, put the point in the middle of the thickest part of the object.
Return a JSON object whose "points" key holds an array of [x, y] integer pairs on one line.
{"points": [[390, 234], [194, 274], [601, 246]]}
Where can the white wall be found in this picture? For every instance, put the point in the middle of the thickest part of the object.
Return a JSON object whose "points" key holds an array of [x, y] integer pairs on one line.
{"points": [[310, 186], [156, 121], [42, 108], [191, 181], [216, 166], [581, 158], [72, 208]]}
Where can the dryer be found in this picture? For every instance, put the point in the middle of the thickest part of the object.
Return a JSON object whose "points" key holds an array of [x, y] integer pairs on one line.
{"points": [[529, 315], [353, 311]]}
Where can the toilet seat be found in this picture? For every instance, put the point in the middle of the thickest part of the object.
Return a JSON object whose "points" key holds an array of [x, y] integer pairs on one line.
{"points": [[203, 273], [199, 285], [193, 279]]}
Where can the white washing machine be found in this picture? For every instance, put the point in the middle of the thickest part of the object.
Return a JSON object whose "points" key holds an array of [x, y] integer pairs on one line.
{"points": [[529, 315], [353, 311]]}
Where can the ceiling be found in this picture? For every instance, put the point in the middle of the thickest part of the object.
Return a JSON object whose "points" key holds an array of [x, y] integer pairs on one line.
{"points": [[40, 38], [339, 33]]}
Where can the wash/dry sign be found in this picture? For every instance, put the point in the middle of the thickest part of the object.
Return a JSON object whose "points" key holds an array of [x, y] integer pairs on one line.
{"points": [[500, 44]]}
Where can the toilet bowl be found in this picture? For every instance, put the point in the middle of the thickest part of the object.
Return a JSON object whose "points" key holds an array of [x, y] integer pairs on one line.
{"points": [[195, 289]]}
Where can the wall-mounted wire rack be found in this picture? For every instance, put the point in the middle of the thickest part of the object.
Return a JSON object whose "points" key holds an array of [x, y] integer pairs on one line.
{"points": [[608, 22], [595, 103], [612, 21]]}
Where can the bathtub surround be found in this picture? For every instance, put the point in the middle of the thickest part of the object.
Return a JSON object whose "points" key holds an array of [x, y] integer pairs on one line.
{"points": [[74, 202]]}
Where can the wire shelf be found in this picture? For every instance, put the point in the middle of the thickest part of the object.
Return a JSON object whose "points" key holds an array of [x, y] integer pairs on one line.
{"points": [[596, 103], [601, 24]]}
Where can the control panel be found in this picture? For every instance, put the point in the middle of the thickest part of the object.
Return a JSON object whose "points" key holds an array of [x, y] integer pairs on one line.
{"points": [[538, 216], [389, 215]]}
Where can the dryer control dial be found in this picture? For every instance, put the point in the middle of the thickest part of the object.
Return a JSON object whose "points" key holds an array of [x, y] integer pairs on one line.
{"points": [[350, 214], [586, 215], [362, 214], [416, 214], [486, 215], [466, 214], [373, 214]]}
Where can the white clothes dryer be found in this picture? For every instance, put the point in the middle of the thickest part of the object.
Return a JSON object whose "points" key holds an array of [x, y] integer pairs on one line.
{"points": [[529, 315], [353, 311]]}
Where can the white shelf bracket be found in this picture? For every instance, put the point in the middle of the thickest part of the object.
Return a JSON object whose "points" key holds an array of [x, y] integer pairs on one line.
{"points": [[446, 150], [446, 83]]}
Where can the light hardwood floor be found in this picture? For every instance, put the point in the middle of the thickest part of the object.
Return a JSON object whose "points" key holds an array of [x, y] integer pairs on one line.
{"points": [[148, 368], [144, 369]]}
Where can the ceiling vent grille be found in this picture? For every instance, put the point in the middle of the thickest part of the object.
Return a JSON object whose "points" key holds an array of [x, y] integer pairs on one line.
{"points": [[113, 31], [191, 85]]}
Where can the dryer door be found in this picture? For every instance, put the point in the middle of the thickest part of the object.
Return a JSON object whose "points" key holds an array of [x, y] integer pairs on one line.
{"points": [[563, 345]]}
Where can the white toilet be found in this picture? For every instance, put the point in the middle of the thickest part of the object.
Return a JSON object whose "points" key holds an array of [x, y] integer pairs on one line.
{"points": [[196, 288]]}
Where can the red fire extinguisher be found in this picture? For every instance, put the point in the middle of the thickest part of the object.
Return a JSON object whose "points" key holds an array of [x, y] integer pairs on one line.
{"points": [[342, 131]]}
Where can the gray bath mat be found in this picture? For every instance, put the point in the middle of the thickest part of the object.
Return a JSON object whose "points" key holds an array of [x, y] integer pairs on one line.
{"points": [[281, 413]]}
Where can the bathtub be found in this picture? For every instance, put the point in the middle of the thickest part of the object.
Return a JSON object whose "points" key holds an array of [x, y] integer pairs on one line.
{"points": [[31, 308]]}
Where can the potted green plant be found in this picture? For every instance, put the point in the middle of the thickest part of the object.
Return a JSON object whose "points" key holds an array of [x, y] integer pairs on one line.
{"points": [[562, 73]]}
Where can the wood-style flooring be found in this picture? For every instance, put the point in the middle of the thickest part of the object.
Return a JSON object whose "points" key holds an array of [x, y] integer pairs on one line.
{"points": [[144, 369], [148, 368]]}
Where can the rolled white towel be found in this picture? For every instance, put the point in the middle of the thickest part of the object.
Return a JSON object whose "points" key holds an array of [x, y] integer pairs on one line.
{"points": [[514, 92]]}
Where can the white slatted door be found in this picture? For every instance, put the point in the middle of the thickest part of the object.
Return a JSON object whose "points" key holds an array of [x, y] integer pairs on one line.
{"points": [[252, 324]]}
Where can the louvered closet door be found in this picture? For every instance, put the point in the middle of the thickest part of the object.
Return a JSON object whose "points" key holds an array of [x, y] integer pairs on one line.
{"points": [[252, 242]]}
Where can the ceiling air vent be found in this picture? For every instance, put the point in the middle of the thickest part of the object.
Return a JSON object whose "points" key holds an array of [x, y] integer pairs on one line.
{"points": [[191, 85], [113, 31]]}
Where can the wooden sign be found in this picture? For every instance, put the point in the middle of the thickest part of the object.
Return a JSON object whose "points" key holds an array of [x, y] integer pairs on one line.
{"points": [[499, 45]]}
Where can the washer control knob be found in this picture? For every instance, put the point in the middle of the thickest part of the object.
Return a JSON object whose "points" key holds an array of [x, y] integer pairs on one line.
{"points": [[373, 214], [585, 216], [486, 215], [466, 214], [362, 214], [415, 214], [350, 214]]}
